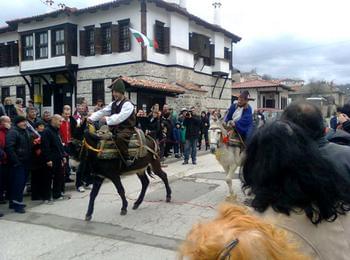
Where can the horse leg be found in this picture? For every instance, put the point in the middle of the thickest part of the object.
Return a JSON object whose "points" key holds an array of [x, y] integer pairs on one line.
{"points": [[157, 169], [93, 194], [119, 186], [231, 173], [145, 182]]}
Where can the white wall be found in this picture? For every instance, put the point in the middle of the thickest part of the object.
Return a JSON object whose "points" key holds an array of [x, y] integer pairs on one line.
{"points": [[9, 71], [113, 15], [9, 37], [43, 63]]}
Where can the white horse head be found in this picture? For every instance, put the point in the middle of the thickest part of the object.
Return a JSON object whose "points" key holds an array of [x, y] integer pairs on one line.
{"points": [[216, 132]]}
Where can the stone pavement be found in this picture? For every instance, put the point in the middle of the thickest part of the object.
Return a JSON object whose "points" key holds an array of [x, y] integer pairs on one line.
{"points": [[154, 231]]}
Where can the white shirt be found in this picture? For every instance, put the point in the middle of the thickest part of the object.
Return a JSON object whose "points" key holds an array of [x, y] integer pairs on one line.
{"points": [[116, 119], [237, 114]]}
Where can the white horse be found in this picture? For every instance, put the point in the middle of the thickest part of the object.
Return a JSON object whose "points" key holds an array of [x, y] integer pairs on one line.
{"points": [[228, 156]]}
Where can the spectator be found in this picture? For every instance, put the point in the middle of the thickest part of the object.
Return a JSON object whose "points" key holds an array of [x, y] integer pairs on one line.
{"points": [[40, 177], [99, 105], [79, 114], [19, 107], [67, 128], [182, 140], [54, 156], [236, 234], [10, 108], [30, 103], [192, 124], [5, 125], [46, 117], [2, 110], [31, 116], [141, 120], [204, 128], [344, 118], [19, 149], [177, 139], [153, 126], [166, 120], [299, 189], [309, 118]]}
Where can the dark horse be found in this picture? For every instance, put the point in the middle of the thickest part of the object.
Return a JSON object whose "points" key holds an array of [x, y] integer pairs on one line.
{"points": [[112, 169]]}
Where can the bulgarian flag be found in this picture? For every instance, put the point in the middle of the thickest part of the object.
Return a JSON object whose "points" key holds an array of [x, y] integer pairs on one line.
{"points": [[142, 39]]}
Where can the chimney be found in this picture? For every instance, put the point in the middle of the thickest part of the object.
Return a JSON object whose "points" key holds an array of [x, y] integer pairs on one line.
{"points": [[183, 4], [217, 12]]}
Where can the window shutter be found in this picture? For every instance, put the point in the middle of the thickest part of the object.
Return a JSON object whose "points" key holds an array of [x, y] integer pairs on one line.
{"points": [[53, 41], [98, 41], [82, 43], [6, 55], [166, 43], [72, 40], [37, 43], [230, 59], [1, 55], [115, 37], [212, 54], [15, 54]]}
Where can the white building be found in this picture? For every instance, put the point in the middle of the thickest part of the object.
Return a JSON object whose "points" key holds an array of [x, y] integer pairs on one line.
{"points": [[264, 93], [57, 58]]}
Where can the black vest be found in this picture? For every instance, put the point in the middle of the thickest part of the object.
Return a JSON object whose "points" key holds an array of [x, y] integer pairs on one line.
{"points": [[128, 123]]}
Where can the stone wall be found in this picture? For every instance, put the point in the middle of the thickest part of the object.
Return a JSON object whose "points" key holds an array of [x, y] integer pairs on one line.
{"points": [[149, 71], [12, 82]]}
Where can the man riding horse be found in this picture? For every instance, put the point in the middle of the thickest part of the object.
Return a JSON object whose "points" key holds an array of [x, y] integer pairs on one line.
{"points": [[240, 118], [120, 117]]}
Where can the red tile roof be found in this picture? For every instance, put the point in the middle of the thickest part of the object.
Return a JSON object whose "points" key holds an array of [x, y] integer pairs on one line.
{"points": [[191, 86], [258, 84], [152, 85]]}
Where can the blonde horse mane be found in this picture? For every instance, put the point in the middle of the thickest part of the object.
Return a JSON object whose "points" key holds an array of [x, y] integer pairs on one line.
{"points": [[257, 239]]}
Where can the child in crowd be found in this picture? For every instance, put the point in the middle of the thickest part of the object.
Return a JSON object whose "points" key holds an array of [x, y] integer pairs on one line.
{"points": [[177, 139]]}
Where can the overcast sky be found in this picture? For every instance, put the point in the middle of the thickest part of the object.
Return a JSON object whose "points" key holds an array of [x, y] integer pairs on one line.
{"points": [[283, 38]]}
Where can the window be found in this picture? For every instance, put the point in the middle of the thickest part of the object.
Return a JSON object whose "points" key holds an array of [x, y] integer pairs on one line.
{"points": [[21, 93], [5, 92], [284, 102], [41, 42], [159, 36], [27, 43], [124, 36], [90, 36], [226, 53], [98, 91], [162, 37], [9, 54], [58, 42], [106, 32]]}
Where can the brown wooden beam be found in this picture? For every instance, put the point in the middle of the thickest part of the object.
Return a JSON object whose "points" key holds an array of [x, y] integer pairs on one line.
{"points": [[144, 27]]}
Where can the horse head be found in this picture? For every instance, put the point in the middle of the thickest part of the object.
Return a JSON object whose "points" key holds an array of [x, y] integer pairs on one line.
{"points": [[216, 133]]}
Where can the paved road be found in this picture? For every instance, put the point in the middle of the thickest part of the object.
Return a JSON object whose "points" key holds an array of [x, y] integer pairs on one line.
{"points": [[154, 231]]}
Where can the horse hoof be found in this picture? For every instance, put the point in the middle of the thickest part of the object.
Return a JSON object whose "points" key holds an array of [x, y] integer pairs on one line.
{"points": [[231, 198], [136, 206], [168, 199], [123, 212], [88, 218]]}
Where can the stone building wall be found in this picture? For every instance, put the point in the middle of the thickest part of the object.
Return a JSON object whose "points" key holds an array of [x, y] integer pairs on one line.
{"points": [[149, 71]]}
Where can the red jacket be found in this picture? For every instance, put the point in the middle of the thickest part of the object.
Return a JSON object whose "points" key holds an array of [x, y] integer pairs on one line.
{"points": [[3, 132], [65, 132]]}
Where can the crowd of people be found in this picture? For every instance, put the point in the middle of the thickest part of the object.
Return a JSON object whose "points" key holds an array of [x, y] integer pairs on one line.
{"points": [[179, 134], [34, 153]]}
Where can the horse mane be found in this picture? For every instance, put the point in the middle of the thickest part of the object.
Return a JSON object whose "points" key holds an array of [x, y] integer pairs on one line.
{"points": [[256, 238]]}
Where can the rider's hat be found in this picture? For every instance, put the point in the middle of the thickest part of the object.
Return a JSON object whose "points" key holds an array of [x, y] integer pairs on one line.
{"points": [[118, 86], [245, 94]]}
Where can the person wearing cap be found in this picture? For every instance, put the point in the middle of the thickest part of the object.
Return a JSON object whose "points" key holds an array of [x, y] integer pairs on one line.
{"points": [[18, 149], [240, 115], [120, 117]]}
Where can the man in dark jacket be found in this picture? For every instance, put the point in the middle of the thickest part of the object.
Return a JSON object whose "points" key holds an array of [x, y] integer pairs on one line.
{"points": [[204, 128], [192, 123], [309, 117], [19, 149], [54, 155]]}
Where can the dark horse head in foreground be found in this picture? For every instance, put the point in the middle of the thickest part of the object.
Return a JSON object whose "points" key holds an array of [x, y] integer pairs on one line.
{"points": [[112, 169]]}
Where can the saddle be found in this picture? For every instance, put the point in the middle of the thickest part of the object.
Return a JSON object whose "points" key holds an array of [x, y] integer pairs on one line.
{"points": [[109, 150]]}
